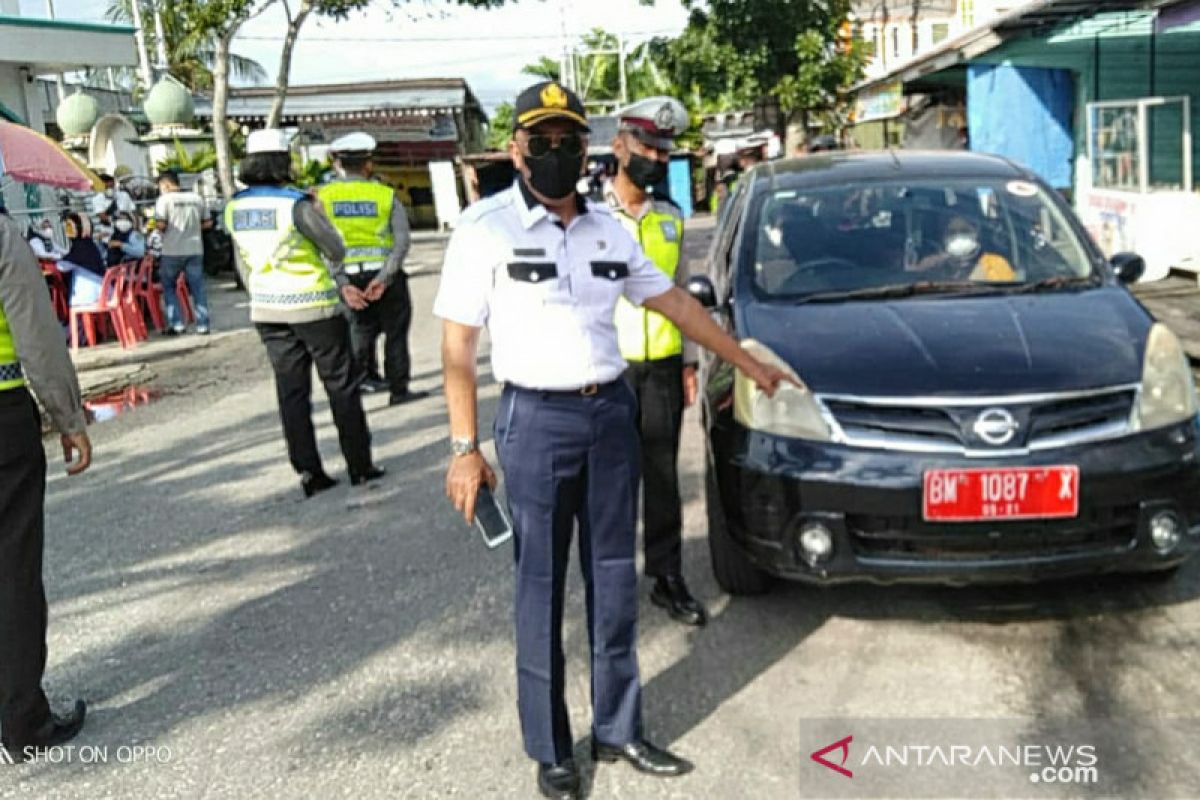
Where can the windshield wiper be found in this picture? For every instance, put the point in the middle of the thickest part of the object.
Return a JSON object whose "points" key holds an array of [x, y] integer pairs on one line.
{"points": [[1057, 282], [897, 290]]}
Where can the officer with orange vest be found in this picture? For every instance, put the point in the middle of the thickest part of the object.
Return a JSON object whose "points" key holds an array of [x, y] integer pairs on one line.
{"points": [[32, 354], [662, 365], [374, 227]]}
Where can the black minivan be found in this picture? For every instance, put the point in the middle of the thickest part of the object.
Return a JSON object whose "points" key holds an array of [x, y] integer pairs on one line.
{"points": [[980, 397]]}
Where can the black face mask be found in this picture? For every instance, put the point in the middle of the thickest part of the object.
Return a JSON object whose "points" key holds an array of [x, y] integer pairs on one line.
{"points": [[555, 174], [645, 172]]}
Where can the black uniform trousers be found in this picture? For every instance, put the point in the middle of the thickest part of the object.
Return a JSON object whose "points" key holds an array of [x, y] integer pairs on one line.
{"points": [[391, 316], [23, 706], [659, 388], [293, 350], [570, 460]]}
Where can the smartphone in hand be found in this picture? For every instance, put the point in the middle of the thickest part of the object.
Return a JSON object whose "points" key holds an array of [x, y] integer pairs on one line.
{"points": [[490, 518]]}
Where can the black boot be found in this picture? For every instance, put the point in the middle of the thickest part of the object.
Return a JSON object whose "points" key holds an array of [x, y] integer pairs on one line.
{"points": [[671, 593], [58, 730], [372, 474]]}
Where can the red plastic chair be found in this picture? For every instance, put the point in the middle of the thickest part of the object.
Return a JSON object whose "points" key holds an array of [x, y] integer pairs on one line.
{"points": [[131, 310], [149, 293], [58, 290], [107, 309], [185, 299]]}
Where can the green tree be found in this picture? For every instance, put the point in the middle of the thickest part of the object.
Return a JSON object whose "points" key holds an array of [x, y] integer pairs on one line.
{"points": [[738, 52], [190, 53], [500, 128], [545, 68]]}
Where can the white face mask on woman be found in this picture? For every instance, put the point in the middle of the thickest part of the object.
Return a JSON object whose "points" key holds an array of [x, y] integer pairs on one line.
{"points": [[46, 232], [124, 225]]}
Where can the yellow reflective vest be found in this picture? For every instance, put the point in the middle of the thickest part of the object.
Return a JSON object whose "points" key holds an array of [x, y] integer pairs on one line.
{"points": [[361, 210], [11, 375], [286, 270], [645, 335]]}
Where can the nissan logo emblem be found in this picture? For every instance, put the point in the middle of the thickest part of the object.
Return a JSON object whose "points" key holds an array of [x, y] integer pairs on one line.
{"points": [[996, 426]]}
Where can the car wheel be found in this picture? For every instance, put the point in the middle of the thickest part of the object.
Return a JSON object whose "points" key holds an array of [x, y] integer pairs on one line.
{"points": [[735, 573]]}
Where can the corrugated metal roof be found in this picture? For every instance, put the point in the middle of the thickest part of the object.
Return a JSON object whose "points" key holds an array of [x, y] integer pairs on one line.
{"points": [[369, 101]]}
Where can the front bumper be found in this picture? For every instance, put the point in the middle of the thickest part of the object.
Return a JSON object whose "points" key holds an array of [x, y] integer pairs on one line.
{"points": [[871, 501]]}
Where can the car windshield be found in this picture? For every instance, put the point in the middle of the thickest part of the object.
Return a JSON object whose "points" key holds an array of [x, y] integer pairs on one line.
{"points": [[913, 237]]}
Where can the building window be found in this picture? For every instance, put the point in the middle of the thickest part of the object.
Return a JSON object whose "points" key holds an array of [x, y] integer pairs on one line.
{"points": [[941, 31], [896, 43], [966, 10]]}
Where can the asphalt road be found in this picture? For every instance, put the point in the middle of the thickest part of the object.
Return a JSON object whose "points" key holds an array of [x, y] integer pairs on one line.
{"points": [[360, 644]]}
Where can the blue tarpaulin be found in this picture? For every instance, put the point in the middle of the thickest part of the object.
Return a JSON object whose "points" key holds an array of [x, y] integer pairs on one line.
{"points": [[1024, 114]]}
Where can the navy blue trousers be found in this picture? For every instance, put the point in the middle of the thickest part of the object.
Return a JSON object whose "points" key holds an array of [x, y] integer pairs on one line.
{"points": [[572, 460]]}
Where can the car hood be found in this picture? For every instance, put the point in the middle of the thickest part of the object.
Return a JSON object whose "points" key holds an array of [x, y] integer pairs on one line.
{"points": [[1006, 344]]}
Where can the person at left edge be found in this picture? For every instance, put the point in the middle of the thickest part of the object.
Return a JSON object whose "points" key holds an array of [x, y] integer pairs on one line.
{"points": [[283, 241], [32, 354], [374, 227], [543, 268]]}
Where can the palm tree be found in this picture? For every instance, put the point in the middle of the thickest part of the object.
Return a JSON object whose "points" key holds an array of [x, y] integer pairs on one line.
{"points": [[190, 55]]}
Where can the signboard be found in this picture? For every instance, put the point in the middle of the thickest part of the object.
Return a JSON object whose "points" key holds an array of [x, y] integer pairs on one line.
{"points": [[1109, 219], [880, 102], [434, 128]]}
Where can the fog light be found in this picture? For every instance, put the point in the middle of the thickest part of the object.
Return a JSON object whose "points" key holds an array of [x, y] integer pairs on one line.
{"points": [[816, 543], [1165, 531]]}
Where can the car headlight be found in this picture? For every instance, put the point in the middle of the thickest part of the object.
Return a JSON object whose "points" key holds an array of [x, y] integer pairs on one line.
{"points": [[793, 411], [1168, 393]]}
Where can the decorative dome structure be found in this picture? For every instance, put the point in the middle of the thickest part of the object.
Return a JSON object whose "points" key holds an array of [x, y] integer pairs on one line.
{"points": [[169, 104], [77, 114]]}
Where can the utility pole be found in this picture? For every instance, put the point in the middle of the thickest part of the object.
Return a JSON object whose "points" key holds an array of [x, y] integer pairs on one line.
{"points": [[566, 70], [58, 78], [160, 41], [139, 36], [621, 69]]}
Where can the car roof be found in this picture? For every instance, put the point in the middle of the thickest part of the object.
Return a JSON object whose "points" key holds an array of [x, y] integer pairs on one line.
{"points": [[842, 166]]}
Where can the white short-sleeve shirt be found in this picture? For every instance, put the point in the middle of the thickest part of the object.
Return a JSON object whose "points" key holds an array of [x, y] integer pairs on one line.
{"points": [[546, 294]]}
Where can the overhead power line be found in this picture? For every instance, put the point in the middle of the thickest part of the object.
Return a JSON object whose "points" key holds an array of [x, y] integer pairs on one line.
{"points": [[436, 39]]}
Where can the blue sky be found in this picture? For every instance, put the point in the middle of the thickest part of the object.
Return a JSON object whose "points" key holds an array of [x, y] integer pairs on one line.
{"points": [[431, 39]]}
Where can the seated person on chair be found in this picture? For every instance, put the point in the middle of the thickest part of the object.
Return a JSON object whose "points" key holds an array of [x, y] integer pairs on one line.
{"points": [[963, 256]]}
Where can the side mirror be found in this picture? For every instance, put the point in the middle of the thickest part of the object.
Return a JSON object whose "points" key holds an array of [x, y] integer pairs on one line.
{"points": [[701, 288], [1128, 266]]}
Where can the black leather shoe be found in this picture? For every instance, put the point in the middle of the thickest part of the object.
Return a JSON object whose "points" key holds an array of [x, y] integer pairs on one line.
{"points": [[558, 781], [313, 483], [372, 474], [58, 730], [671, 593], [644, 757], [407, 396]]}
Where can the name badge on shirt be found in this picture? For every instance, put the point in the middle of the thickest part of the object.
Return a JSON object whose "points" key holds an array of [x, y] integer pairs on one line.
{"points": [[669, 232], [355, 208], [254, 219]]}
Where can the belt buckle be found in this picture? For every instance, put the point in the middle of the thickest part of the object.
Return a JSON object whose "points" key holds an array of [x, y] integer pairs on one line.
{"points": [[590, 389]]}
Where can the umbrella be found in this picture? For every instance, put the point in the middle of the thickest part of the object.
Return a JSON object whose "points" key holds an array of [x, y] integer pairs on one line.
{"points": [[30, 157]]}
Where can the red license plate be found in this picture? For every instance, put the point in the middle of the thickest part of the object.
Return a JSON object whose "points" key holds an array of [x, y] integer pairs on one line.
{"points": [[973, 495]]}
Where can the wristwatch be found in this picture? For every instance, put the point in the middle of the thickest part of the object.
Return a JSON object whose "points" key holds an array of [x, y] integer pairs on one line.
{"points": [[463, 446]]}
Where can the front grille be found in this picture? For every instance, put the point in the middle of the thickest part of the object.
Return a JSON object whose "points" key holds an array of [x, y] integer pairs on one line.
{"points": [[932, 425], [1071, 416], [949, 425], [904, 539]]}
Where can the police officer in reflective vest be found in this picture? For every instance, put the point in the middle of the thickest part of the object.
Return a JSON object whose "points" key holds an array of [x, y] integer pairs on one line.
{"points": [[374, 227], [662, 366], [32, 354], [290, 258], [543, 268]]}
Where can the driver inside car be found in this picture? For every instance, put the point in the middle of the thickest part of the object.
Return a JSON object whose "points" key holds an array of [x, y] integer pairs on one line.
{"points": [[963, 256]]}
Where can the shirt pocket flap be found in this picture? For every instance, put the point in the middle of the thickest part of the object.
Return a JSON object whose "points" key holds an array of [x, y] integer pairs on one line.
{"points": [[532, 271], [610, 270]]}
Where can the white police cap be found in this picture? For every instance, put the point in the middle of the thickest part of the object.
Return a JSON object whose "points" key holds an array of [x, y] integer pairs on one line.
{"points": [[655, 121], [268, 140], [357, 142]]}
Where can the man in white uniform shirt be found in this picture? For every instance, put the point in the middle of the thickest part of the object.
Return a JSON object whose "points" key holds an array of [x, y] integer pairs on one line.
{"points": [[543, 268]]}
